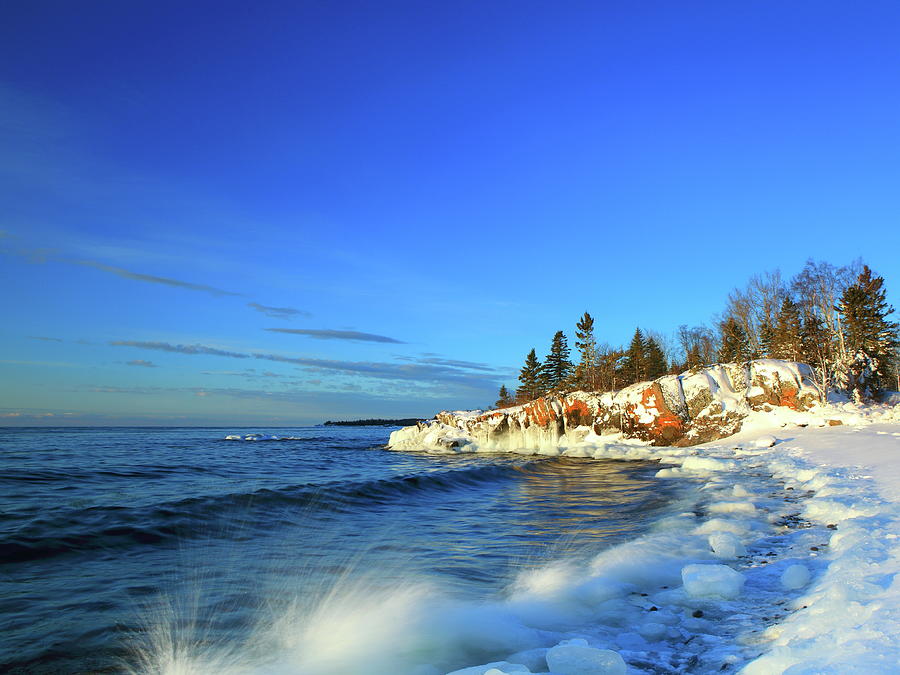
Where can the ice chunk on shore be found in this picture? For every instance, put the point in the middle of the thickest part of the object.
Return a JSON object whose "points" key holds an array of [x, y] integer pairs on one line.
{"points": [[794, 577], [653, 630], [708, 464], [578, 659], [742, 508], [714, 525], [712, 581], [726, 545], [494, 668], [766, 441]]}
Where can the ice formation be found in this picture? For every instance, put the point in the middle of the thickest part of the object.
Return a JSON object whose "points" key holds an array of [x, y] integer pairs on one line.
{"points": [[714, 581], [787, 565], [794, 577], [686, 409], [726, 545], [577, 658]]}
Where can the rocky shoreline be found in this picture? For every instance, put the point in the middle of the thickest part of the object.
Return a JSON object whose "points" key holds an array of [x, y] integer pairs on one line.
{"points": [[697, 406]]}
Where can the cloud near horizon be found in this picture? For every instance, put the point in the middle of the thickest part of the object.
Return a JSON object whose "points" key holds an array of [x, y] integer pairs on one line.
{"points": [[432, 374], [328, 334], [179, 349], [278, 312], [142, 363], [151, 279]]}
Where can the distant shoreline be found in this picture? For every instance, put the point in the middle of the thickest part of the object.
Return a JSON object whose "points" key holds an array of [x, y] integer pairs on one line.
{"points": [[408, 422]]}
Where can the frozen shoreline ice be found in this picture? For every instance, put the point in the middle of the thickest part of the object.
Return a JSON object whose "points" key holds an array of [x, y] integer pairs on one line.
{"points": [[791, 575]]}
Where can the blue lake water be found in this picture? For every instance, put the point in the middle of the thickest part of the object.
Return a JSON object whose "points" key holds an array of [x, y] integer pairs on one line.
{"points": [[142, 549]]}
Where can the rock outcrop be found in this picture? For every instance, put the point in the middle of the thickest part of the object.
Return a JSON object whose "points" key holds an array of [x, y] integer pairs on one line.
{"points": [[697, 406]]}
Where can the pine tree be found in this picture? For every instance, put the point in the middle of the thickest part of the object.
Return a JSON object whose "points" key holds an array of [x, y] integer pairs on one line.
{"points": [[530, 379], [766, 340], [654, 359], [870, 339], [787, 338], [586, 344], [557, 367], [634, 368], [504, 400], [735, 345], [817, 342], [608, 368]]}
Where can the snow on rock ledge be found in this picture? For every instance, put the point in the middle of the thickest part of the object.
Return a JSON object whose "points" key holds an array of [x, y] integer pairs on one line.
{"points": [[700, 405]]}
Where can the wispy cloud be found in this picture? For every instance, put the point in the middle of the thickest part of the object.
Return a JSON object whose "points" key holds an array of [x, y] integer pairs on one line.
{"points": [[278, 312], [51, 364], [45, 338], [127, 390], [151, 279], [142, 363], [430, 374], [180, 349], [328, 334], [453, 363]]}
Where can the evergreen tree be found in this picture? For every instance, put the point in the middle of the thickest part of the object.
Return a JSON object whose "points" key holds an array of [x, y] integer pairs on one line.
{"points": [[654, 359], [608, 368], [870, 339], [735, 346], [766, 340], [530, 379], [787, 338], [634, 368], [586, 344], [557, 367], [504, 400]]}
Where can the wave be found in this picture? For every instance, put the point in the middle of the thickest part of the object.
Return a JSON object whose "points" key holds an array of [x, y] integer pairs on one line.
{"points": [[70, 474], [256, 437], [113, 527]]}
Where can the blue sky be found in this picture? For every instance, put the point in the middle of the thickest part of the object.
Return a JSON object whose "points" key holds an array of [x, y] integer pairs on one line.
{"points": [[280, 213]]}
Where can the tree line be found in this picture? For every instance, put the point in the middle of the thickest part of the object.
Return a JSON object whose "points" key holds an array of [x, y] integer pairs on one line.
{"points": [[835, 319]]}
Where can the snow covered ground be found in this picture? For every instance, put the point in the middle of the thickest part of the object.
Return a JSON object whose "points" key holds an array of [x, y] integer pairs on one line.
{"points": [[785, 561]]}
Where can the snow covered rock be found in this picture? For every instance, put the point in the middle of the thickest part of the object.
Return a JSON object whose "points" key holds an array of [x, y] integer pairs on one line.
{"points": [[695, 407], [578, 659], [712, 581], [765, 441]]}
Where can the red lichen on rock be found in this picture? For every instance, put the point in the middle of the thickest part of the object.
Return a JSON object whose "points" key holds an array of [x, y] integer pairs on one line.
{"points": [[665, 426], [788, 397], [540, 412], [576, 412]]}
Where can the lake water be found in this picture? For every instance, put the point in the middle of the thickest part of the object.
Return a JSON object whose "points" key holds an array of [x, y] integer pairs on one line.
{"points": [[174, 550]]}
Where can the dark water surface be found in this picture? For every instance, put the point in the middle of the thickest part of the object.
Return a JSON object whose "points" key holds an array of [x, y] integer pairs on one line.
{"points": [[104, 532]]}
